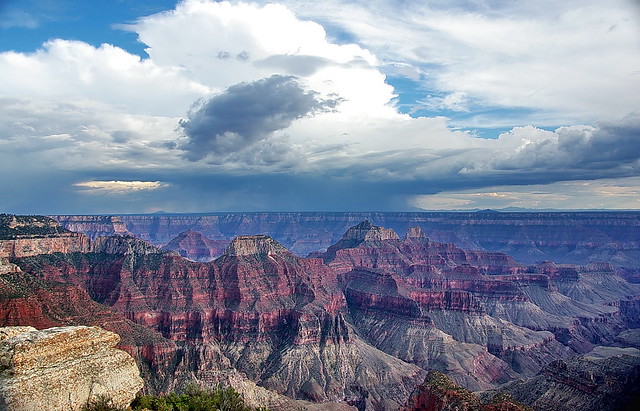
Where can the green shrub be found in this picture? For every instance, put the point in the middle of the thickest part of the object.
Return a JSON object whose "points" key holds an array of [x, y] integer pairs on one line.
{"points": [[195, 398], [101, 403]]}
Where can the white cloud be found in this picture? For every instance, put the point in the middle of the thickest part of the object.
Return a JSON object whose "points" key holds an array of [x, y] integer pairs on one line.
{"points": [[457, 101], [220, 44], [59, 134], [570, 61], [566, 195], [117, 187], [74, 70]]}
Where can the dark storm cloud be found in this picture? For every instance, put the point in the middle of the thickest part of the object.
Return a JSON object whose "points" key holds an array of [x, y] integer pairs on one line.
{"points": [[247, 113], [610, 150], [615, 142]]}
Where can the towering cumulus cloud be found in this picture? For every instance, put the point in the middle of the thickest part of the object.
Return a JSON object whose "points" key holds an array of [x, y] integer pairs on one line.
{"points": [[246, 113]]}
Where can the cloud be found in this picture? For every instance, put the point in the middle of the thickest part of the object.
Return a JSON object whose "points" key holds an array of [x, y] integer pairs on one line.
{"points": [[247, 113], [118, 187], [295, 64], [272, 41], [52, 135], [571, 195], [293, 116], [74, 70], [558, 62], [612, 148], [11, 17], [453, 102]]}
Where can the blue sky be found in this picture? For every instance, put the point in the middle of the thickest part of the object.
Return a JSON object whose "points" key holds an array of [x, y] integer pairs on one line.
{"points": [[27, 24], [195, 106]]}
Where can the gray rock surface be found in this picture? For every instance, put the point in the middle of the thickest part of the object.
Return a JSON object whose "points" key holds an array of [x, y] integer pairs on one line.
{"points": [[63, 368]]}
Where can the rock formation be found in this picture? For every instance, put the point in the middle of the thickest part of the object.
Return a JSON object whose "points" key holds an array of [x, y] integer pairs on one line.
{"points": [[275, 317], [257, 245], [196, 247], [95, 226], [62, 368], [529, 237], [23, 236], [607, 378], [439, 393], [358, 324]]}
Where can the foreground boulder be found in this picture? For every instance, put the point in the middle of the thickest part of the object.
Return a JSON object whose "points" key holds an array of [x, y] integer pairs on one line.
{"points": [[63, 367]]}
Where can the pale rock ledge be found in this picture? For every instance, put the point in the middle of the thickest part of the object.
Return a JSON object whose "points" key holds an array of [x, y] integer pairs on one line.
{"points": [[61, 368]]}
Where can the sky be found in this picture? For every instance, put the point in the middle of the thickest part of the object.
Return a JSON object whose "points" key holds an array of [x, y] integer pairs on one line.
{"points": [[143, 106]]}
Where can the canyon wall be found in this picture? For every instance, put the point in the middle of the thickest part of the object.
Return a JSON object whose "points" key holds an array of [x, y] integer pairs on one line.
{"points": [[529, 237], [607, 378], [358, 324], [23, 236]]}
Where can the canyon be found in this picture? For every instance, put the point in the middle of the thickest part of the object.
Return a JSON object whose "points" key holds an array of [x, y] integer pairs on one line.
{"points": [[528, 237], [357, 323]]}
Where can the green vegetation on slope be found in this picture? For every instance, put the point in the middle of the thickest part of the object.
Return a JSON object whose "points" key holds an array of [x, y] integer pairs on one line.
{"points": [[193, 398], [12, 226], [447, 395]]}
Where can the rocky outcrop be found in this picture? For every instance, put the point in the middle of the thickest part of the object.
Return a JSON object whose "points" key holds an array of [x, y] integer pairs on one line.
{"points": [[605, 379], [439, 393], [196, 247], [365, 245], [123, 245], [63, 368], [415, 232], [23, 236], [254, 245], [28, 246], [94, 226], [15, 226], [365, 231]]}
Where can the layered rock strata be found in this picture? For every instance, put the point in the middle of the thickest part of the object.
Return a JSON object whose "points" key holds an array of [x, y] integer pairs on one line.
{"points": [[95, 226], [277, 318], [63, 368], [605, 379], [358, 324], [23, 236], [530, 237], [499, 318], [196, 247]]}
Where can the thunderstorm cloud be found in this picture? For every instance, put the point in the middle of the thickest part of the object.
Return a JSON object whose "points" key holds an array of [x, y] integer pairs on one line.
{"points": [[247, 113]]}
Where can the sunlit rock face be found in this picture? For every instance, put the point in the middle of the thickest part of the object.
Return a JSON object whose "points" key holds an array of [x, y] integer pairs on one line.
{"points": [[259, 245], [63, 368], [94, 226], [23, 236]]}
